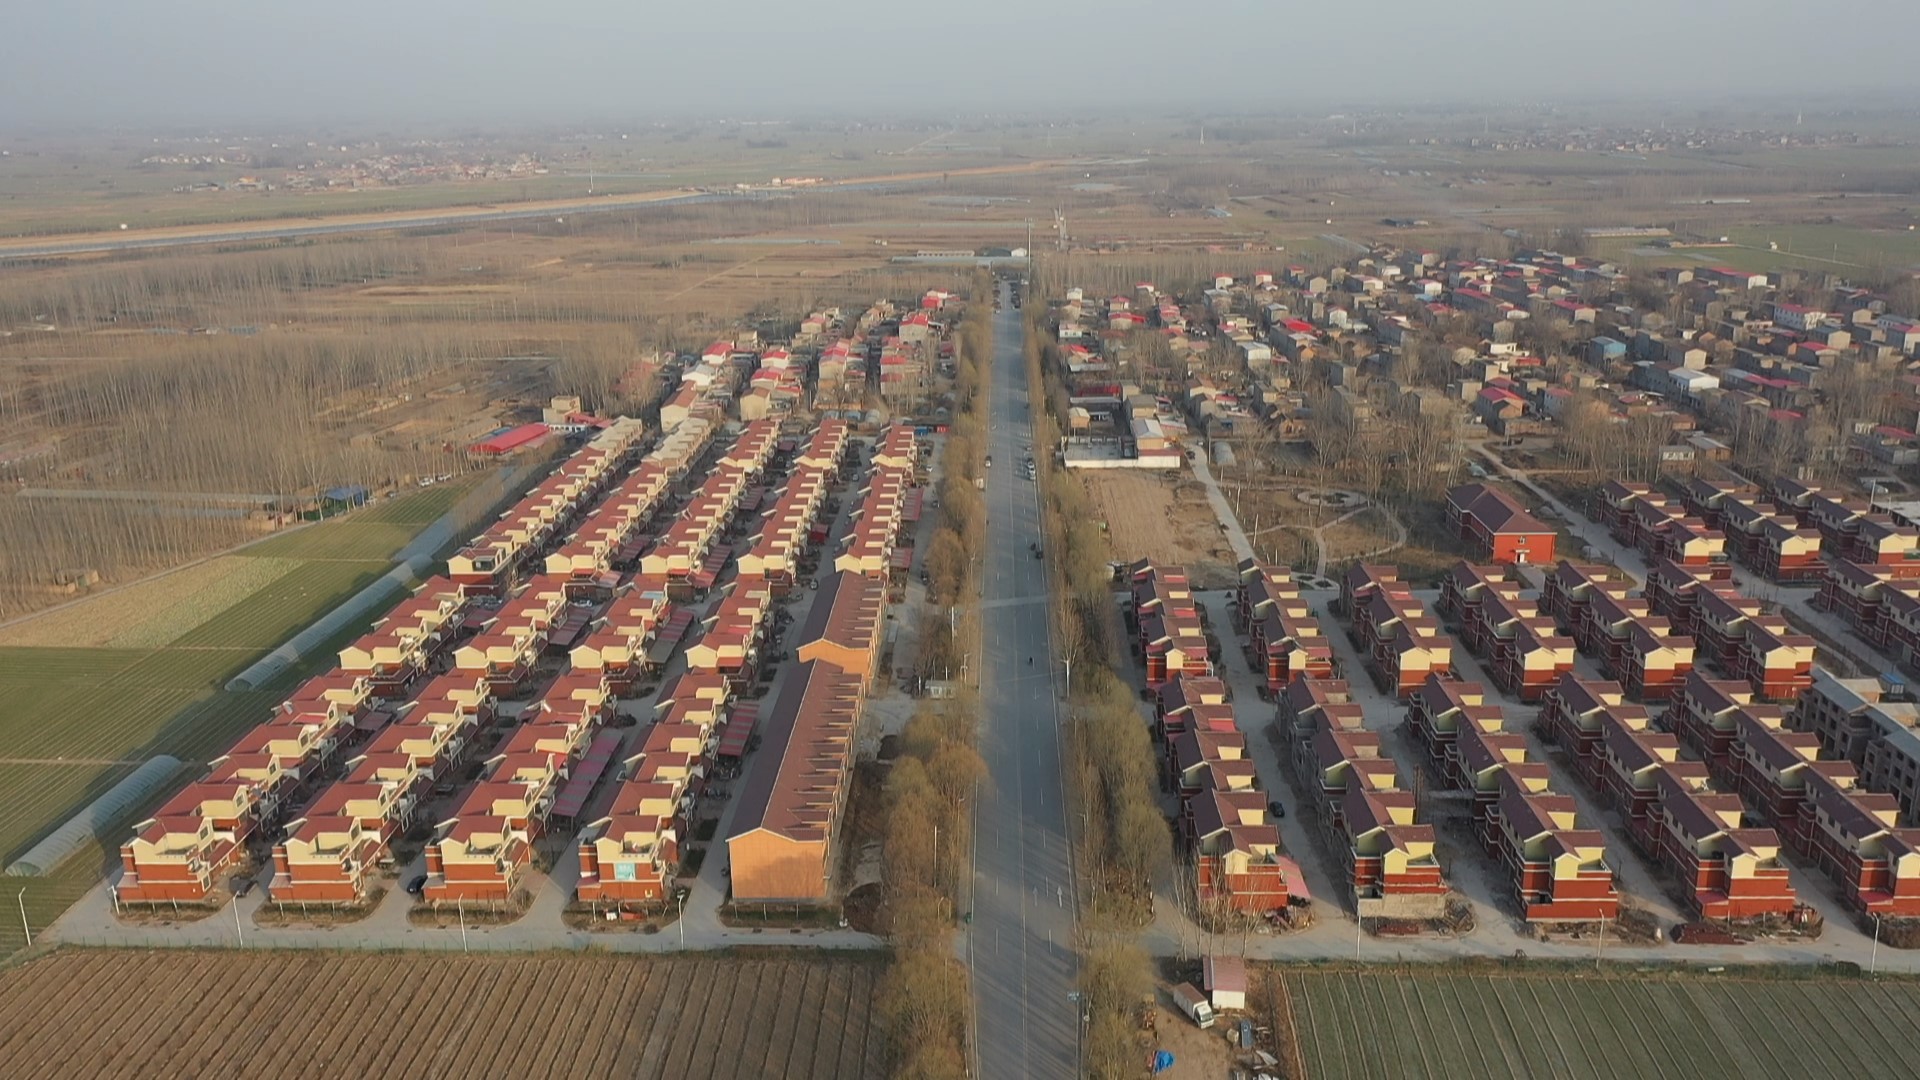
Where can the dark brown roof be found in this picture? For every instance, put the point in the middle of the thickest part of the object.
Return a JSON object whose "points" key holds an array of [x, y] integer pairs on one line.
{"points": [[1495, 510], [805, 755]]}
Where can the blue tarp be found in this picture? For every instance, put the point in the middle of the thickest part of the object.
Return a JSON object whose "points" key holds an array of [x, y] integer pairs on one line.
{"points": [[1162, 1061]]}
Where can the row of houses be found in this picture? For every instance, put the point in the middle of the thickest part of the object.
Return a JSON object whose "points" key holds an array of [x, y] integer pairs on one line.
{"points": [[785, 841], [629, 856], [1401, 642], [1793, 771], [492, 560], [540, 773], [1725, 869], [1661, 529], [1880, 603], [879, 531], [1364, 807], [1169, 634], [179, 854], [1760, 535], [1558, 871], [547, 767], [1233, 844], [1520, 641], [1731, 632], [1596, 605], [1851, 529], [1277, 626], [796, 522], [689, 553]]}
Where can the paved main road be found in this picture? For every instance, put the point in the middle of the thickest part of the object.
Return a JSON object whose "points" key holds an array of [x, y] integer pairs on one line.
{"points": [[1020, 944]]}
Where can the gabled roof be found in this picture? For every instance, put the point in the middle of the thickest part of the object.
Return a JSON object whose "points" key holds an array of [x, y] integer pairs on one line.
{"points": [[1496, 511]]}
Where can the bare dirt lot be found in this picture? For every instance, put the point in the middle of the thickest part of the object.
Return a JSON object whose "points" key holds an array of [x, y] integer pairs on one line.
{"points": [[1151, 517], [217, 1014]]}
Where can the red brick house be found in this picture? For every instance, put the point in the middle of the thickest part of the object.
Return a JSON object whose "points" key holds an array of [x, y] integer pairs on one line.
{"points": [[1706, 718], [1498, 525], [1237, 859], [1855, 840], [1571, 715], [1439, 708], [1613, 505], [1731, 872], [1558, 872], [1403, 644]]}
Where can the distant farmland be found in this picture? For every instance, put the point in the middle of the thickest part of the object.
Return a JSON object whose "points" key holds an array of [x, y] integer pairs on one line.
{"points": [[1354, 1024], [168, 1013]]}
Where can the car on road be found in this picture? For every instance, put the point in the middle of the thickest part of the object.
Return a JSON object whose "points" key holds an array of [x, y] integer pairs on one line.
{"points": [[418, 886], [242, 886], [1277, 808], [989, 461]]}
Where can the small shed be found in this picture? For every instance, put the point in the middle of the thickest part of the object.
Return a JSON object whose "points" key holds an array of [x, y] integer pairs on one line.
{"points": [[1225, 980], [343, 497]]}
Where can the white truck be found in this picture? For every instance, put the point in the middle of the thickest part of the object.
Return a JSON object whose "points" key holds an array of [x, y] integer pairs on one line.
{"points": [[1194, 1004]]}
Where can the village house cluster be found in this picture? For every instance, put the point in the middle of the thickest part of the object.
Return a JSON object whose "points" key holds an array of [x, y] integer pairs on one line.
{"points": [[1792, 761], [1233, 844], [479, 717]]}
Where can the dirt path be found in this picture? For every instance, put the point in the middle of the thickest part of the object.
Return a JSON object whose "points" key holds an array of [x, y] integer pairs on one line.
{"points": [[1320, 535], [1236, 536]]}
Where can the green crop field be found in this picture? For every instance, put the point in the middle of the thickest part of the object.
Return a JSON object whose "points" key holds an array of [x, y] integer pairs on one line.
{"points": [[75, 719], [266, 618], [1368, 1024], [422, 507], [352, 540]]}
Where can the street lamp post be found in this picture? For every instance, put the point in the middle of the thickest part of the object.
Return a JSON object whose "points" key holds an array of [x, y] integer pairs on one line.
{"points": [[680, 903], [1079, 1022], [1873, 962], [25, 928]]}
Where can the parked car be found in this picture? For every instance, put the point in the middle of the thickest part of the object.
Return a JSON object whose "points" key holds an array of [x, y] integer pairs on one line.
{"points": [[418, 886], [1277, 809]]}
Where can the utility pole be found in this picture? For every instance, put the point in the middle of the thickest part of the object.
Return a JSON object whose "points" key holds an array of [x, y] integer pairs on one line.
{"points": [[680, 898], [1601, 949], [462, 904], [27, 930], [239, 934]]}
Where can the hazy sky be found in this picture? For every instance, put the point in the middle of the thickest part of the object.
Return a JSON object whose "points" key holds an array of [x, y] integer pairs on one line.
{"points": [[115, 63]]}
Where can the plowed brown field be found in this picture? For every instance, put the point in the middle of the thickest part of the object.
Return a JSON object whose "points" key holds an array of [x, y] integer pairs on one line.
{"points": [[284, 1014]]}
